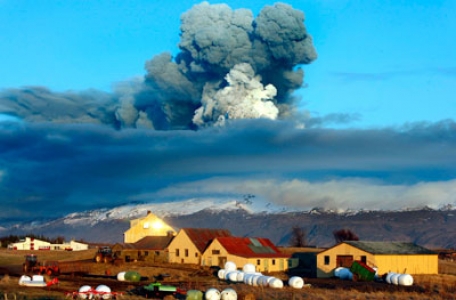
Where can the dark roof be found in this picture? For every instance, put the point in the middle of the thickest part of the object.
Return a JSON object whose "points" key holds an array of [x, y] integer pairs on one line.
{"points": [[389, 247], [201, 237], [154, 242], [148, 243], [251, 247]]}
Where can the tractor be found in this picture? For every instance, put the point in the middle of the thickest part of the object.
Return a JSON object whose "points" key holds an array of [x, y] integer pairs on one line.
{"points": [[105, 255], [31, 262], [32, 265]]}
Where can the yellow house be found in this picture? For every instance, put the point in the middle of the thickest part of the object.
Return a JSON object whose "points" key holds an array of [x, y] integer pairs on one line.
{"points": [[150, 225], [385, 256], [260, 252], [189, 244]]}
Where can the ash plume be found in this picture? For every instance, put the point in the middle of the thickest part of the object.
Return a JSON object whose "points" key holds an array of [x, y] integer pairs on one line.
{"points": [[230, 66]]}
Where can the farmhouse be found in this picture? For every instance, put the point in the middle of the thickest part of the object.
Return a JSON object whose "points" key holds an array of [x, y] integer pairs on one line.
{"points": [[30, 243], [385, 256], [189, 244], [260, 252], [150, 225], [150, 248]]}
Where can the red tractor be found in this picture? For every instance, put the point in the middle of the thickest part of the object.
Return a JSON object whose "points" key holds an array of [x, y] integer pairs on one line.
{"points": [[32, 265]]}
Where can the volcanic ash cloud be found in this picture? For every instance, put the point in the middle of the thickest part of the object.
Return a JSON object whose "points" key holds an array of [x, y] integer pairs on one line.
{"points": [[230, 66]]}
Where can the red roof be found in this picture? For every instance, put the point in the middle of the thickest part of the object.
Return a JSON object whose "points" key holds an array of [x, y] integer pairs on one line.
{"points": [[202, 237], [251, 247]]}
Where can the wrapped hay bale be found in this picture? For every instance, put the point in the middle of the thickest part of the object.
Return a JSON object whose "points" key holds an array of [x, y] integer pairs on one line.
{"points": [[212, 294], [230, 266], [194, 295], [249, 269], [121, 276], [228, 294], [296, 282], [405, 280], [132, 276]]}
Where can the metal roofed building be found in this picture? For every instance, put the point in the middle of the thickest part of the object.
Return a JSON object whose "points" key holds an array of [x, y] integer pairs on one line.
{"points": [[396, 257], [260, 252]]}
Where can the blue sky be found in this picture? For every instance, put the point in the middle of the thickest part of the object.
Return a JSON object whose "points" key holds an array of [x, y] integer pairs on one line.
{"points": [[377, 103], [388, 62]]}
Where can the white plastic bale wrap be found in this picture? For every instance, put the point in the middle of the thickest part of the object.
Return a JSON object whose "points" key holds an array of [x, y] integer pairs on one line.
{"points": [[249, 268], [37, 278], [221, 274], [388, 277], [262, 281], [345, 274], [230, 266], [296, 282], [212, 294], [405, 279], [256, 280], [240, 276], [104, 291], [228, 294], [395, 278], [84, 292], [248, 279], [232, 276], [121, 276], [337, 271], [23, 279], [276, 283]]}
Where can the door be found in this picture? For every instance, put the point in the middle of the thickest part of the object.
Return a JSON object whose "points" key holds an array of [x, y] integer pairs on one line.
{"points": [[344, 261], [222, 261]]}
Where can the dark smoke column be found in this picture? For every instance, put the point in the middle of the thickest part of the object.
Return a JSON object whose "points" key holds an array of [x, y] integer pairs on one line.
{"points": [[230, 66]]}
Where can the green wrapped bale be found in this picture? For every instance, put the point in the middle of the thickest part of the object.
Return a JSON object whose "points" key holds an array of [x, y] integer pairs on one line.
{"points": [[132, 276], [194, 295]]}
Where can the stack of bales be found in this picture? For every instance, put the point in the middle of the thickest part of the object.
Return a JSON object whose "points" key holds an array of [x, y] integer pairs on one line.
{"points": [[101, 292], [248, 276], [399, 279]]}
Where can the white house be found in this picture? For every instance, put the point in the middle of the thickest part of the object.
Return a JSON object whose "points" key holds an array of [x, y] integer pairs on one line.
{"points": [[35, 244]]}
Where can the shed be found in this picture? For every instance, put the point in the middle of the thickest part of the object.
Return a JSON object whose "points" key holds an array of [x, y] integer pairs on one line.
{"points": [[386, 257]]}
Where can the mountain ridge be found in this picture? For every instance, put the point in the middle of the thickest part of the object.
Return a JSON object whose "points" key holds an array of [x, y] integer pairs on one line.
{"points": [[427, 227]]}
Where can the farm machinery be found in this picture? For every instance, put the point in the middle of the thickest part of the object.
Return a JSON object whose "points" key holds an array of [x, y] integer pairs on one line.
{"points": [[105, 255], [31, 264]]}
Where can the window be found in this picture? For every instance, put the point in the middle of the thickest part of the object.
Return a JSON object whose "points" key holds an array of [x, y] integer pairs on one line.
{"points": [[215, 252], [273, 262], [363, 258], [146, 253], [258, 262], [186, 252], [196, 254], [177, 252], [326, 259]]}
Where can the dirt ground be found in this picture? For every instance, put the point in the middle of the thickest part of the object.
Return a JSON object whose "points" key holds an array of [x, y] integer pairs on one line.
{"points": [[193, 277]]}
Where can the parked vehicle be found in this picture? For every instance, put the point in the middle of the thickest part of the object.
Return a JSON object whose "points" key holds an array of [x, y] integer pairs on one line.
{"points": [[361, 271], [32, 265], [104, 255]]}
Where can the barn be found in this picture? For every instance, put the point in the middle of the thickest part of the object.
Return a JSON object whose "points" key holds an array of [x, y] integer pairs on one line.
{"points": [[396, 257]]}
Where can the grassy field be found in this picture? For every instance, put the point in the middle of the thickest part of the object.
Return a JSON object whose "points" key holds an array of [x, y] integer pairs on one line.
{"points": [[435, 287]]}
